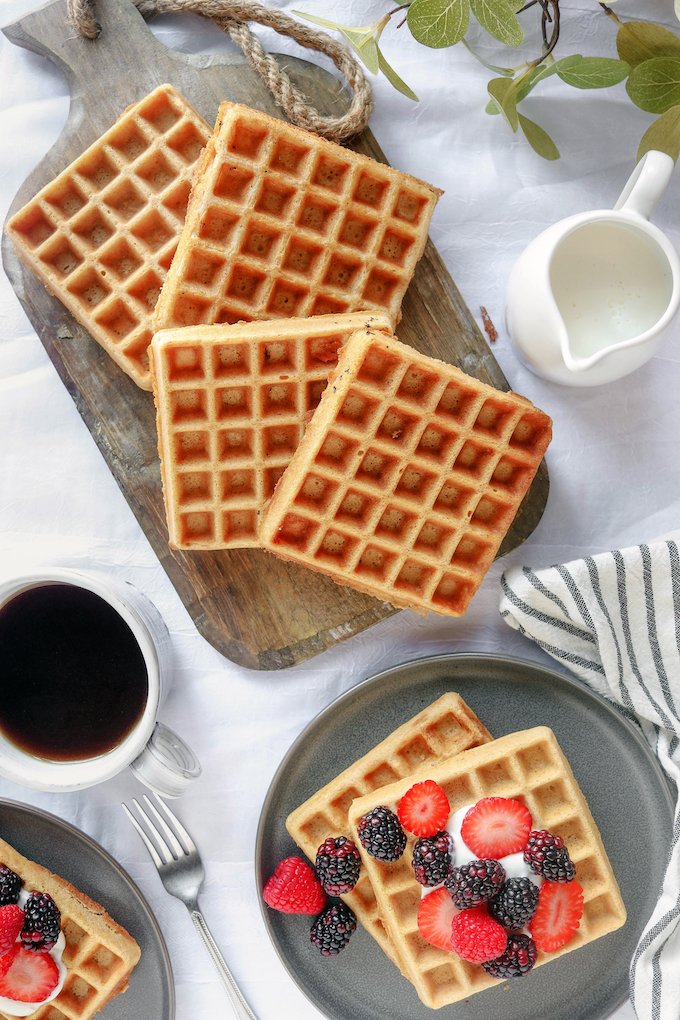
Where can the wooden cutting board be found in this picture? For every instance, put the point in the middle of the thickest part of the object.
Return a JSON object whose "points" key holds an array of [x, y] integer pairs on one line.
{"points": [[258, 611]]}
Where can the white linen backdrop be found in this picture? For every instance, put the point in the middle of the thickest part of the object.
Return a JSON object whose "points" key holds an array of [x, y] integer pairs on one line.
{"points": [[613, 463]]}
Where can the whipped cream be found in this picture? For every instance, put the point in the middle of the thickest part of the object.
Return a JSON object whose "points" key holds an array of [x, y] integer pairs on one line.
{"points": [[14, 1008]]}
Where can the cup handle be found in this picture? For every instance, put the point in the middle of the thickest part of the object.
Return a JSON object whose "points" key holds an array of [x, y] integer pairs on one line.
{"points": [[166, 764], [646, 184]]}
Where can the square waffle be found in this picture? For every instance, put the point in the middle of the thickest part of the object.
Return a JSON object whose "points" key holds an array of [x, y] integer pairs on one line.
{"points": [[102, 234], [442, 729], [528, 766], [282, 223], [408, 477], [231, 405], [99, 954]]}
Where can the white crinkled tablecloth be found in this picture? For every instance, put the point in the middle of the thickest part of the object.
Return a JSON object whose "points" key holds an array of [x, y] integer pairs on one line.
{"points": [[614, 466]]}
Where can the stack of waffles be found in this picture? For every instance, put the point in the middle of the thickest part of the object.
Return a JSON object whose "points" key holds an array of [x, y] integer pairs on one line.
{"points": [[99, 955]]}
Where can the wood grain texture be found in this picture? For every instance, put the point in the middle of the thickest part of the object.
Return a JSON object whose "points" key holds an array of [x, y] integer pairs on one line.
{"points": [[257, 610]]}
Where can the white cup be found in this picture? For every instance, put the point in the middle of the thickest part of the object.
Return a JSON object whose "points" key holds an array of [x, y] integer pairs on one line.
{"points": [[157, 756]]}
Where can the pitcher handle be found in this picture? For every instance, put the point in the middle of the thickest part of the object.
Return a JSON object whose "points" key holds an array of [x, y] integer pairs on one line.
{"points": [[646, 184]]}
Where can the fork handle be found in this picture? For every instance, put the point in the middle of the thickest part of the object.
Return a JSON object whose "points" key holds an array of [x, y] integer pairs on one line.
{"points": [[241, 1007]]}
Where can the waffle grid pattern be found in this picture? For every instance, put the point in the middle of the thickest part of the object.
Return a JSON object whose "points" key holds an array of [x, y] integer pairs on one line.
{"points": [[282, 223], [408, 478], [528, 766], [231, 406], [101, 236], [444, 728]]}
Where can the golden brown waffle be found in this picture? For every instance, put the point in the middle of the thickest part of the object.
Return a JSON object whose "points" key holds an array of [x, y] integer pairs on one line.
{"points": [[231, 407], [99, 954], [101, 236], [527, 766], [408, 477], [282, 223], [442, 729]]}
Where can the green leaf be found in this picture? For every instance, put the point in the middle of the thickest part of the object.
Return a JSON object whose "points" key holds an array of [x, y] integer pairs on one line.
{"points": [[544, 71], [637, 41], [492, 108], [663, 134], [394, 79], [595, 73], [507, 72], [538, 139], [503, 94], [360, 39], [654, 85], [438, 23], [498, 19]]}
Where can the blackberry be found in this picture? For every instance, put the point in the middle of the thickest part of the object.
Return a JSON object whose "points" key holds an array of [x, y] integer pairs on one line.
{"points": [[515, 903], [475, 883], [332, 929], [382, 835], [547, 855], [432, 858], [42, 923], [10, 884], [517, 960], [338, 865]]}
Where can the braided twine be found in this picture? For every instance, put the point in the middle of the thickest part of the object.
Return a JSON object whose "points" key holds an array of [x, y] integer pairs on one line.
{"points": [[232, 16]]}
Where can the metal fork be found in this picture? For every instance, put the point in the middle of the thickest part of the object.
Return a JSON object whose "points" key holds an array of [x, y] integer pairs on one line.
{"points": [[182, 874]]}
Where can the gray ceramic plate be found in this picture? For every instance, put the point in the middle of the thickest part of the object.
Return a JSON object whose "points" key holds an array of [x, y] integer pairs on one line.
{"points": [[620, 779], [70, 853]]}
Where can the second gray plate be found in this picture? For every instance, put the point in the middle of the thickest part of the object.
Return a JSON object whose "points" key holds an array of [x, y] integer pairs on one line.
{"points": [[622, 782]]}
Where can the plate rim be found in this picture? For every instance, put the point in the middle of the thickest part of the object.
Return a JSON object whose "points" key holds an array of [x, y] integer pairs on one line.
{"points": [[499, 659], [51, 819]]}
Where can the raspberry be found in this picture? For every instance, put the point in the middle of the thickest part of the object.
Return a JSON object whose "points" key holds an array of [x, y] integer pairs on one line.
{"points": [[381, 834], [477, 937], [547, 855], [424, 809], [42, 923], [516, 961], [338, 865], [331, 930], [432, 858], [11, 923], [475, 883], [515, 903], [10, 884], [294, 888]]}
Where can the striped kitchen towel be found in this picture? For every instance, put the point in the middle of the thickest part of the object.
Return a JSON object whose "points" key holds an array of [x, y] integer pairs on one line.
{"points": [[614, 620]]}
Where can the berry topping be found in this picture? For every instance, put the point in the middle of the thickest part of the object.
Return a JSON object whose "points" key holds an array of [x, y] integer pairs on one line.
{"points": [[432, 858], [477, 937], [381, 834], [516, 961], [547, 855], [424, 809], [331, 930], [30, 977], [338, 865], [435, 918], [560, 907], [294, 888], [475, 883], [515, 903], [11, 923], [495, 827], [10, 885], [42, 923]]}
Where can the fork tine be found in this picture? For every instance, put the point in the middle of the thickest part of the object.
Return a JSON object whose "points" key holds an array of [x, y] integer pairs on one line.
{"points": [[174, 842], [149, 845], [188, 841], [160, 842]]}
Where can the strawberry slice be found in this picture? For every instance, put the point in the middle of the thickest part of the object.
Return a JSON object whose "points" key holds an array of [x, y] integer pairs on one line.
{"points": [[435, 918], [11, 923], [424, 809], [30, 976], [560, 907], [495, 827]]}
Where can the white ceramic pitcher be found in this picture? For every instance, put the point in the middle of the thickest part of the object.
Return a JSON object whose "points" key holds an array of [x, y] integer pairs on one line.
{"points": [[592, 297]]}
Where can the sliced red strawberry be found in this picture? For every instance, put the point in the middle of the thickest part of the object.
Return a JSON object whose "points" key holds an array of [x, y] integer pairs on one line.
{"points": [[11, 923], [435, 917], [496, 826], [560, 907], [476, 937], [30, 977], [424, 809]]}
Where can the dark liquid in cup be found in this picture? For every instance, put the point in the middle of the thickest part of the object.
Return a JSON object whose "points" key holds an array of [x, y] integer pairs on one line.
{"points": [[73, 681]]}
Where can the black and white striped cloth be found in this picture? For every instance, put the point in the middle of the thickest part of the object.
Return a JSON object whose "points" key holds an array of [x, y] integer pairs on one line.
{"points": [[614, 620]]}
